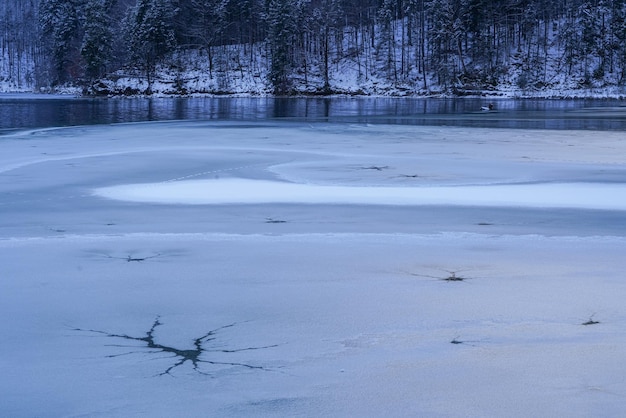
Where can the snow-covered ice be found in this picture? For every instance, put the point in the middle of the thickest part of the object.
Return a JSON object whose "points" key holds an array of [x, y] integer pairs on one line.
{"points": [[554, 195], [288, 269]]}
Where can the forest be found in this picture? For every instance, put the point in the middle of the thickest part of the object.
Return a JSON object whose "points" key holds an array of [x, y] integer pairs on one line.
{"points": [[455, 47]]}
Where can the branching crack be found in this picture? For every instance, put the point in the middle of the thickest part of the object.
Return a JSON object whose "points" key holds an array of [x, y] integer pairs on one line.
{"points": [[135, 256], [195, 355], [274, 221], [451, 277], [591, 321], [375, 167], [457, 341], [130, 258]]}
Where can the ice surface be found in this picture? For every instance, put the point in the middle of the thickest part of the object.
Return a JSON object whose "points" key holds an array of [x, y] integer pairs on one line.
{"points": [[336, 307]]}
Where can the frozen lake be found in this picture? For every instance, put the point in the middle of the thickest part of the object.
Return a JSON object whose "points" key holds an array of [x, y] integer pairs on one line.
{"points": [[338, 265]]}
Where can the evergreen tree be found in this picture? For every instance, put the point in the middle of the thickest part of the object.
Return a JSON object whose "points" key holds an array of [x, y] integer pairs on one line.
{"points": [[208, 24], [325, 21], [19, 46], [61, 36], [98, 38], [618, 31], [450, 43], [387, 14], [282, 21], [445, 38], [150, 34]]}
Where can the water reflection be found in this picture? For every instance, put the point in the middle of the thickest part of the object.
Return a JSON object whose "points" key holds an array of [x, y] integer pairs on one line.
{"points": [[28, 113]]}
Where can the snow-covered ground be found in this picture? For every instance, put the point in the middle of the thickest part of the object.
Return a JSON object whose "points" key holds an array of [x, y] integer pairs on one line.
{"points": [[283, 269]]}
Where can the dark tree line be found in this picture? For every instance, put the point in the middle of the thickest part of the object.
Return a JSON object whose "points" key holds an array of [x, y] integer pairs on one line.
{"points": [[451, 45], [19, 43]]}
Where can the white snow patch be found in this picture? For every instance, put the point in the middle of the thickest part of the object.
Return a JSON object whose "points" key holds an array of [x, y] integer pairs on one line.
{"points": [[225, 191]]}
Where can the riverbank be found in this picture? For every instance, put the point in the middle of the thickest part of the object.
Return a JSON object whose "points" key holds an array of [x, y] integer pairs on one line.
{"points": [[172, 85]]}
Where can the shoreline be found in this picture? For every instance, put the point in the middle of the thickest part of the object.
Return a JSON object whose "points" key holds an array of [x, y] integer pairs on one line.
{"points": [[591, 94]]}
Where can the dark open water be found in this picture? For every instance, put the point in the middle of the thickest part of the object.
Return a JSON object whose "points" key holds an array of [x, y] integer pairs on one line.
{"points": [[18, 112]]}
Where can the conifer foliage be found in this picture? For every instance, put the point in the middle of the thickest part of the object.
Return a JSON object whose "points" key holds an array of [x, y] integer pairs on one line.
{"points": [[282, 20], [456, 46], [97, 42], [150, 33], [60, 27]]}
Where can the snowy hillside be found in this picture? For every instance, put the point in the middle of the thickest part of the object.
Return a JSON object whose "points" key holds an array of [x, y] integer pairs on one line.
{"points": [[241, 76], [573, 48]]}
